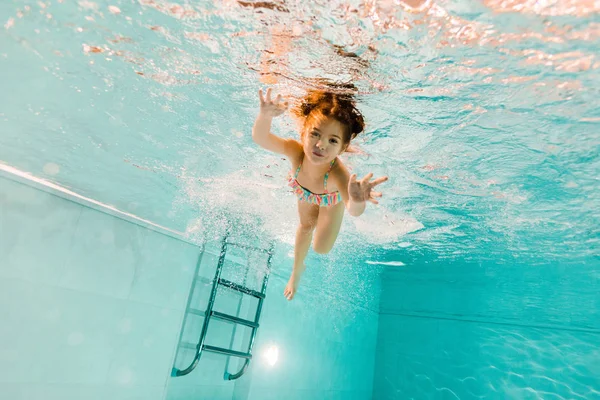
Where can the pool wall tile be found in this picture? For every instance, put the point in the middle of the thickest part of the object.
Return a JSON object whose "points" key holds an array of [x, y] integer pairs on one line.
{"points": [[472, 331], [89, 303]]}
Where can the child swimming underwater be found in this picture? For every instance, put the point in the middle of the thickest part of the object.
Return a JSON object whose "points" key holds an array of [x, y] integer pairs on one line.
{"points": [[322, 183]]}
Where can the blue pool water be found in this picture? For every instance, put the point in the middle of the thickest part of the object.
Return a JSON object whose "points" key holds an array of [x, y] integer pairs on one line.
{"points": [[125, 147]]}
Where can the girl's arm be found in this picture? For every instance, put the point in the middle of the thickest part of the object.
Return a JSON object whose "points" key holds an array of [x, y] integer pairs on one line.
{"points": [[355, 194], [341, 177], [261, 132]]}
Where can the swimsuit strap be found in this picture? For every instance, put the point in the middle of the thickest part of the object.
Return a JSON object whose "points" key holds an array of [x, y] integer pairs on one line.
{"points": [[299, 166], [327, 174]]}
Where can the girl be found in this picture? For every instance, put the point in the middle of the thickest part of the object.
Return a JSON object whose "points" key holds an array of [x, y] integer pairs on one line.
{"points": [[319, 178]]}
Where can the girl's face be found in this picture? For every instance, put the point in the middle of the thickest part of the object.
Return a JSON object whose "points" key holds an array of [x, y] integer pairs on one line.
{"points": [[324, 141]]}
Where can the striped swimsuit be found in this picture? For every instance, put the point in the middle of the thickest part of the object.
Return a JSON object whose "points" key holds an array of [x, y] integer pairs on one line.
{"points": [[323, 200]]}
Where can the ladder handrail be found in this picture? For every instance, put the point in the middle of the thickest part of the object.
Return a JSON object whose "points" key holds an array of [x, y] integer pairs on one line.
{"points": [[263, 290], [230, 377], [189, 301], [211, 300]]}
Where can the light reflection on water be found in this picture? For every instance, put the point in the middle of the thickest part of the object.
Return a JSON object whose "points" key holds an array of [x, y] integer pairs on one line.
{"points": [[484, 115]]}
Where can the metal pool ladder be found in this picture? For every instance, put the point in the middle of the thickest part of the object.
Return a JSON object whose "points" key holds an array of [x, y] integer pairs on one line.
{"points": [[210, 313]]}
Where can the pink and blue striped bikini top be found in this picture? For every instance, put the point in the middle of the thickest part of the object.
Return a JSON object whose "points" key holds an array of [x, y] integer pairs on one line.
{"points": [[323, 200]]}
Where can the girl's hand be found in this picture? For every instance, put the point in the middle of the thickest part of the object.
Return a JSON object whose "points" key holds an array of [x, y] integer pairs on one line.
{"points": [[271, 108], [360, 191]]}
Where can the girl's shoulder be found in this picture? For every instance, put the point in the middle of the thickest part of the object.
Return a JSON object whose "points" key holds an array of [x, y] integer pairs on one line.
{"points": [[338, 176], [294, 152], [339, 166], [340, 171]]}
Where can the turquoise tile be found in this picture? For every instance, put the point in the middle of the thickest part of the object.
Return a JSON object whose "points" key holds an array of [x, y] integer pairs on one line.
{"points": [[209, 263], [204, 381], [416, 335], [49, 391], [141, 392], [145, 346], [201, 293], [200, 392], [53, 332], [68, 364], [462, 340], [165, 271], [221, 334], [209, 371], [31, 219], [227, 301], [184, 358], [338, 371], [215, 392], [289, 371], [174, 392], [104, 254], [14, 366], [242, 386], [75, 318], [192, 328], [349, 395], [12, 326], [270, 393]]}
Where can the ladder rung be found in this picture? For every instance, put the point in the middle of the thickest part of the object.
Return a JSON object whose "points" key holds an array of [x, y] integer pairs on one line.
{"points": [[241, 288], [196, 312], [226, 352], [245, 246], [235, 320], [188, 345]]}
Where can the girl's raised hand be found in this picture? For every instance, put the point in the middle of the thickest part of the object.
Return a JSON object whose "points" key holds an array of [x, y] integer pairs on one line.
{"points": [[269, 107], [362, 190]]}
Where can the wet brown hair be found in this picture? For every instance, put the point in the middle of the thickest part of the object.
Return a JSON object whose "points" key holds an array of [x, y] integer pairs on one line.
{"points": [[332, 101]]}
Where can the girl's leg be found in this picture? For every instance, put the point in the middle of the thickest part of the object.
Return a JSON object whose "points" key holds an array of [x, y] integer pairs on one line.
{"points": [[308, 219], [329, 222]]}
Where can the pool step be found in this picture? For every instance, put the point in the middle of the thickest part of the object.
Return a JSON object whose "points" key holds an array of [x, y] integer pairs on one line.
{"points": [[240, 288], [233, 319], [214, 349]]}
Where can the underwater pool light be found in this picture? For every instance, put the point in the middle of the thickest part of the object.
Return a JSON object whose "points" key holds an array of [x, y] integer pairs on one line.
{"points": [[271, 355]]}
